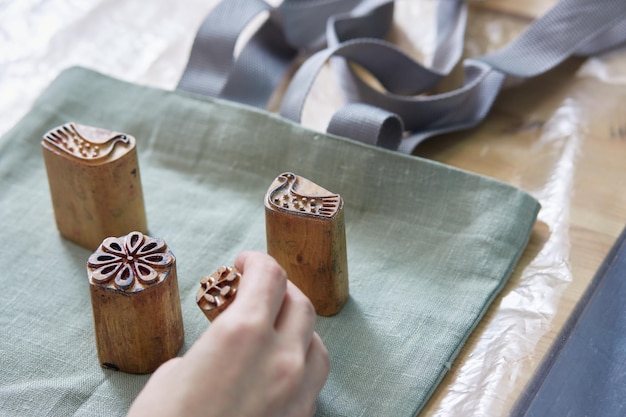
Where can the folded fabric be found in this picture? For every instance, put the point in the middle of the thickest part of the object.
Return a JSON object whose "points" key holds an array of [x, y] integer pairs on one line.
{"points": [[429, 246]]}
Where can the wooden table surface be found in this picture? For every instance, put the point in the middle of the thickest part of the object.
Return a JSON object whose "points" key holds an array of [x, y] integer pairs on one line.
{"points": [[560, 136]]}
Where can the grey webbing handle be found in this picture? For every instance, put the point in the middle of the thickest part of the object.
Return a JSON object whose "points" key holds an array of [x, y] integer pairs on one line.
{"points": [[252, 76], [212, 69], [354, 34]]}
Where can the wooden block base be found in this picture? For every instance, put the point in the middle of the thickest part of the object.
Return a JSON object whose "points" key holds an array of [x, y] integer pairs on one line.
{"points": [[136, 306], [94, 183], [305, 233]]}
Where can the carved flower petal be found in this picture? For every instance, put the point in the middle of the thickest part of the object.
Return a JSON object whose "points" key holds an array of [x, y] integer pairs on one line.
{"points": [[152, 245], [125, 277], [133, 241], [146, 273], [158, 260], [106, 272], [114, 245], [97, 259]]}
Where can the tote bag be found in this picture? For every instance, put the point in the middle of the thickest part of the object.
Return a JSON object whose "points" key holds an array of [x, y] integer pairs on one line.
{"points": [[429, 246]]}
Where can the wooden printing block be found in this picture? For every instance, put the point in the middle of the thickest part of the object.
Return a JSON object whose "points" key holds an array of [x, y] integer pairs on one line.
{"points": [[306, 235], [136, 307], [94, 183], [217, 291]]}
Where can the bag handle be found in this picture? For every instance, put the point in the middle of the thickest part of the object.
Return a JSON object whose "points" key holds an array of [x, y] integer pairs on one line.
{"points": [[251, 77], [354, 34]]}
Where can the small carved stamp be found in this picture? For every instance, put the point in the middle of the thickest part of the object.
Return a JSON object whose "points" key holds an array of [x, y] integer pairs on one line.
{"points": [[305, 233], [217, 291], [136, 307], [94, 183]]}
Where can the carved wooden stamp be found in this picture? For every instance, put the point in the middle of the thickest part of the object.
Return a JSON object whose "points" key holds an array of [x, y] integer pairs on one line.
{"points": [[217, 291], [306, 235], [136, 307], [94, 183]]}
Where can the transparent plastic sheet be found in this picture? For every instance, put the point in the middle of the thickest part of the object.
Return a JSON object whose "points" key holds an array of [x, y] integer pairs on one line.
{"points": [[562, 137]]}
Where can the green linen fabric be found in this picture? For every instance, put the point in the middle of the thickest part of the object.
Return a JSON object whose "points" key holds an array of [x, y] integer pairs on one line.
{"points": [[429, 246]]}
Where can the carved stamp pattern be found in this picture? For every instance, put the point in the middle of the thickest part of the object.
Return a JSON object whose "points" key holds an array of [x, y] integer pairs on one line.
{"points": [[100, 143], [305, 233], [217, 291], [130, 263], [287, 195]]}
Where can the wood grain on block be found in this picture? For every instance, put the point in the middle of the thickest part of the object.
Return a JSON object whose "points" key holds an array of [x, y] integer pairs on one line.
{"points": [[94, 183], [135, 301], [217, 291], [306, 235]]}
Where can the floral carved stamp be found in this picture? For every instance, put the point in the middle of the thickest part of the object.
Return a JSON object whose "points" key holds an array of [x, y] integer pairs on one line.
{"points": [[130, 263], [217, 291], [136, 305]]}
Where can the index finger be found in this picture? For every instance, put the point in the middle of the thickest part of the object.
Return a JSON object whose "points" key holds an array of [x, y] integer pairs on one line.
{"points": [[262, 286]]}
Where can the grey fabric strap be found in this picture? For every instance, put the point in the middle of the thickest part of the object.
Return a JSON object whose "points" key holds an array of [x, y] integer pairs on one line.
{"points": [[571, 26], [354, 33], [212, 54], [372, 125], [252, 76]]}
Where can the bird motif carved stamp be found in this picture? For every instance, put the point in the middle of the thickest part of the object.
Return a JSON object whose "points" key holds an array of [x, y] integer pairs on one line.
{"points": [[305, 233], [85, 142], [288, 193], [94, 181]]}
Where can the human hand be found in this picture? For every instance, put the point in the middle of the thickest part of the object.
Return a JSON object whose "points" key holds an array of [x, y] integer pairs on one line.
{"points": [[261, 357]]}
